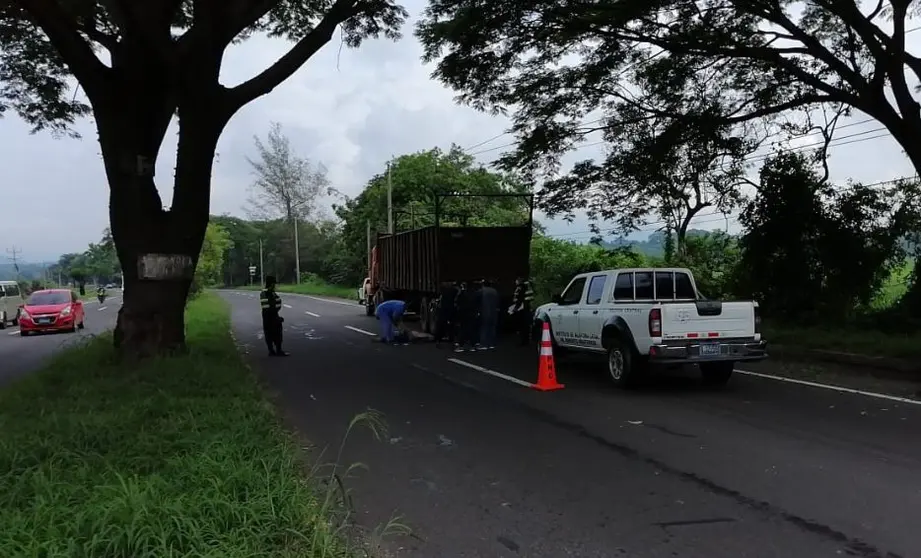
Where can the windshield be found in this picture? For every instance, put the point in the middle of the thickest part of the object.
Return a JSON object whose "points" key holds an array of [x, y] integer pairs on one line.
{"points": [[44, 299]]}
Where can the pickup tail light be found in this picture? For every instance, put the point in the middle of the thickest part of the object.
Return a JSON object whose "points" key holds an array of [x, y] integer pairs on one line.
{"points": [[757, 320], [655, 322]]}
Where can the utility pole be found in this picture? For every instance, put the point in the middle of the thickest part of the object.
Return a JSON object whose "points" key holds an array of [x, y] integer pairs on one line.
{"points": [[389, 200], [297, 254], [261, 264], [14, 257]]}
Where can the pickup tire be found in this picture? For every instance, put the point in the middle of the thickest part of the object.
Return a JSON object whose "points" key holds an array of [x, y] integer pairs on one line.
{"points": [[620, 363], [716, 373]]}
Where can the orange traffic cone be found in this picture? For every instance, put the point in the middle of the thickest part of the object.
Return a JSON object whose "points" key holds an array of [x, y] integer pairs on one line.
{"points": [[546, 369]]}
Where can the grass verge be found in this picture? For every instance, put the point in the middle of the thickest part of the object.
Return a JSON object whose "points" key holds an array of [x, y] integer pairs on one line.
{"points": [[316, 288], [175, 457], [860, 341]]}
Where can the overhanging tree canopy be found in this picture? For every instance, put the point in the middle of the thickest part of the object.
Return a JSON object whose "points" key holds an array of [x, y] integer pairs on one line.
{"points": [[164, 59], [556, 62]]}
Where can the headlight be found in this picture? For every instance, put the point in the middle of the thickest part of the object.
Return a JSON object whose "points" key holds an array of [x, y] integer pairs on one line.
{"points": [[66, 311], [24, 314]]}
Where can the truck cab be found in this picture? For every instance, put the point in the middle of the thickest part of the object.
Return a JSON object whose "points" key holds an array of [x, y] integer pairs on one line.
{"points": [[652, 316]]}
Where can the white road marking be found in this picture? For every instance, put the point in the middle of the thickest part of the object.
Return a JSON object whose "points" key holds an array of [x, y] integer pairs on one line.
{"points": [[491, 372], [287, 305], [839, 389], [342, 302], [101, 308], [360, 330], [312, 314], [13, 332]]}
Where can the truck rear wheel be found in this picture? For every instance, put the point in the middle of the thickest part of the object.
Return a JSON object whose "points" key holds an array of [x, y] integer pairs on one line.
{"points": [[716, 373], [369, 307], [620, 363]]}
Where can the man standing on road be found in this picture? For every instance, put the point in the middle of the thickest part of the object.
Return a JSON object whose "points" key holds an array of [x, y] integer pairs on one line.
{"points": [[447, 313], [489, 314], [390, 313], [466, 319], [271, 321], [521, 309]]}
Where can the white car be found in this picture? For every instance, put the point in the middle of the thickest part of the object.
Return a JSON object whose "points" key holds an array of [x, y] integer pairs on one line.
{"points": [[652, 316], [10, 300]]}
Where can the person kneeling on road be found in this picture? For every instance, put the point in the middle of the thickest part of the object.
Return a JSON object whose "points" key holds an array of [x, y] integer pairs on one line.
{"points": [[390, 313]]}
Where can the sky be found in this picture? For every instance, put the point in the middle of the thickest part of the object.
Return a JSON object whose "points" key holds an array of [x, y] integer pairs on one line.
{"points": [[351, 110]]}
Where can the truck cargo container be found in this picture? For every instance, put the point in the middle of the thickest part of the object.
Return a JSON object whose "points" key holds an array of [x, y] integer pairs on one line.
{"points": [[413, 265]]}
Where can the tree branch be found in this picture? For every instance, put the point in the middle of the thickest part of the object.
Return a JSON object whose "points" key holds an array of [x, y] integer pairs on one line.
{"points": [[284, 67], [243, 15], [61, 30]]}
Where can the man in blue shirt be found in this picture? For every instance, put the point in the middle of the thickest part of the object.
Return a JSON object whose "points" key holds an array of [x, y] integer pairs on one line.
{"points": [[390, 313]]}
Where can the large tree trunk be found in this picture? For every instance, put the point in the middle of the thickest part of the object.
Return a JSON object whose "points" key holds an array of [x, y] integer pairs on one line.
{"points": [[158, 248]]}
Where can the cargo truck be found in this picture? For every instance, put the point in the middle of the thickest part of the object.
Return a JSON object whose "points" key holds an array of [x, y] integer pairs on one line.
{"points": [[413, 265]]}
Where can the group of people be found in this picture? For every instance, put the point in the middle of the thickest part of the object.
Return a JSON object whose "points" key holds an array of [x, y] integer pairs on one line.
{"points": [[467, 315]]}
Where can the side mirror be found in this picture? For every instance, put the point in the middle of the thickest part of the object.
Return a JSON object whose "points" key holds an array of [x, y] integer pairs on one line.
{"points": [[556, 299]]}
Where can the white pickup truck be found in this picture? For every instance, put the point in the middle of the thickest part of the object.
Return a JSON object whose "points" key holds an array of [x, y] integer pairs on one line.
{"points": [[652, 316]]}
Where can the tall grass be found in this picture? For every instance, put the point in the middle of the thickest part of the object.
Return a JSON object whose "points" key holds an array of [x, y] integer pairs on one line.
{"points": [[175, 457]]}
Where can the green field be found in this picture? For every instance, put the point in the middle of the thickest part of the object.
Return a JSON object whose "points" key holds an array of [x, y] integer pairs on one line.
{"points": [[316, 288], [176, 457]]}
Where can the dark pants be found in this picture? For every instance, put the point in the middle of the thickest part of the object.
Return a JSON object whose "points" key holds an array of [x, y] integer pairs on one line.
{"points": [[522, 319], [467, 329], [271, 329], [488, 324], [444, 327]]}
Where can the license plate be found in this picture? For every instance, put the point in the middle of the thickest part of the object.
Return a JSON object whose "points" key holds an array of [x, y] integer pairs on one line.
{"points": [[44, 320], [712, 349]]}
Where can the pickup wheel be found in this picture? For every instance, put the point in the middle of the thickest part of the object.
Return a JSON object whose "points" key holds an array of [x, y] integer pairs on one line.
{"points": [[620, 363], [716, 373]]}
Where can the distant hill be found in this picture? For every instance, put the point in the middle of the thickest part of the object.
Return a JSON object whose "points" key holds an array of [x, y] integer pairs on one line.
{"points": [[653, 246], [27, 270]]}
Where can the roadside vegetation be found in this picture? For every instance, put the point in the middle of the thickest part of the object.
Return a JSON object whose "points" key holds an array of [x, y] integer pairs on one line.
{"points": [[311, 284], [178, 456]]}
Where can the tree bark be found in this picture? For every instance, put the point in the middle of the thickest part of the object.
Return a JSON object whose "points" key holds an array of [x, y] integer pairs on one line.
{"points": [[158, 248]]}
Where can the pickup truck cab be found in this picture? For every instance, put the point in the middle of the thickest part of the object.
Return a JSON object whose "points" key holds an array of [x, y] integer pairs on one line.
{"points": [[652, 316]]}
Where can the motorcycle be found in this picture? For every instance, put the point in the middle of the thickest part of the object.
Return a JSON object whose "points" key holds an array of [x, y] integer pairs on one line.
{"points": [[101, 297]]}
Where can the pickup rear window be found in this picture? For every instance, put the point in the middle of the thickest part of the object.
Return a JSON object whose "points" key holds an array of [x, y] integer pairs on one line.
{"points": [[648, 285]]}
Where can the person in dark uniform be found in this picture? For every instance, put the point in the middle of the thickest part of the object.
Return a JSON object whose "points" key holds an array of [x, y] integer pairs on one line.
{"points": [[488, 298], [466, 319], [521, 309], [271, 321], [447, 313]]}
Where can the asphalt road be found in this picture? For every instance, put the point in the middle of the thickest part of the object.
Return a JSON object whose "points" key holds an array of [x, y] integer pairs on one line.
{"points": [[480, 466], [21, 355]]}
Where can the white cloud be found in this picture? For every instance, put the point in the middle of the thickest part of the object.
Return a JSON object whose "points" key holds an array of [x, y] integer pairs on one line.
{"points": [[349, 109]]}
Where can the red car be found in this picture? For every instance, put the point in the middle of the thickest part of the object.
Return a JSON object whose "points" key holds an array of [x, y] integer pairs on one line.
{"points": [[51, 310]]}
